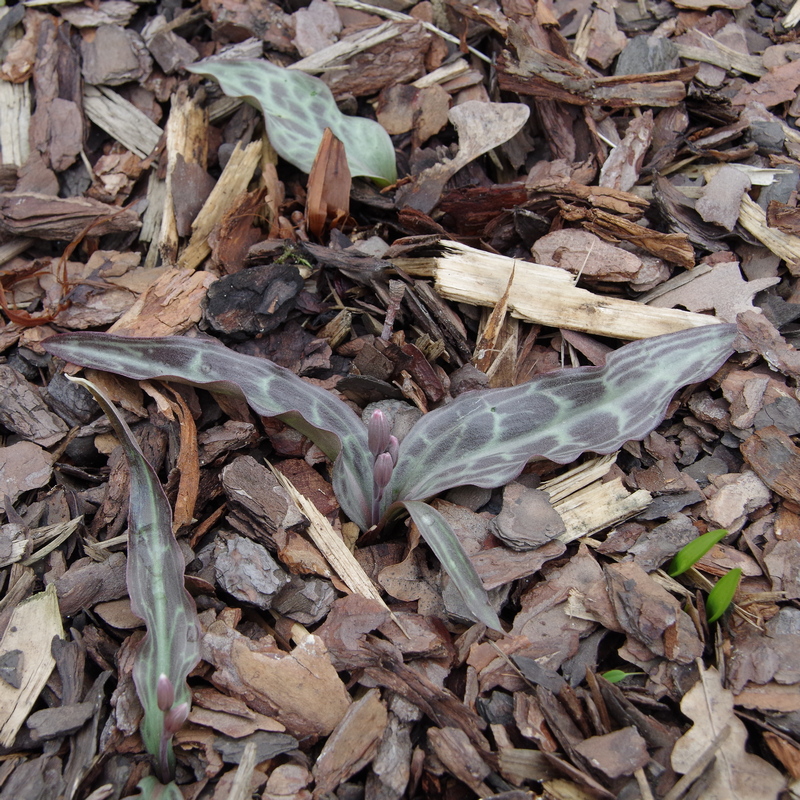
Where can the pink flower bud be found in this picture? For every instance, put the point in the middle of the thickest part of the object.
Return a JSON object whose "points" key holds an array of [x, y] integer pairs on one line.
{"points": [[165, 693], [378, 433], [382, 471], [393, 449], [175, 718]]}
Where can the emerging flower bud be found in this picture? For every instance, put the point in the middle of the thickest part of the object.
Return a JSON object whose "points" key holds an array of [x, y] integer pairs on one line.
{"points": [[382, 471], [393, 449], [165, 693], [378, 433], [175, 718]]}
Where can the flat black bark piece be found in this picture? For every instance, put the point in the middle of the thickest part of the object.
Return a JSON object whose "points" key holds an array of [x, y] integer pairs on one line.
{"points": [[253, 301]]}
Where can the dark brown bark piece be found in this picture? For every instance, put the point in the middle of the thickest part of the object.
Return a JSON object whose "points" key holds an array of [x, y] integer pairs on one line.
{"points": [[310, 483], [115, 55], [55, 218], [402, 57], [527, 519], [22, 410], [454, 749], [88, 582], [615, 754], [353, 743], [191, 186], [49, 723], [776, 460], [651, 615], [258, 505]]}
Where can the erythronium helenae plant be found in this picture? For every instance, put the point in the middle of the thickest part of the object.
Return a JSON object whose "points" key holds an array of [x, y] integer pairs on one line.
{"points": [[483, 438], [297, 108], [155, 578]]}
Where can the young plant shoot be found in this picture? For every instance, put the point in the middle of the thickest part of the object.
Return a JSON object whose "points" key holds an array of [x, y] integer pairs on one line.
{"points": [[721, 596], [692, 552], [483, 438], [155, 578]]}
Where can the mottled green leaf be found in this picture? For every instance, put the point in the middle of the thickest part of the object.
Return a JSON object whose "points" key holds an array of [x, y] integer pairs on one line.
{"points": [[446, 547], [485, 438], [155, 578], [721, 596], [691, 553], [297, 108], [271, 390]]}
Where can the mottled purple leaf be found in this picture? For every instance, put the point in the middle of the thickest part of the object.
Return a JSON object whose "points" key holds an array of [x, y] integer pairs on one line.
{"points": [[485, 438], [271, 390], [155, 578]]}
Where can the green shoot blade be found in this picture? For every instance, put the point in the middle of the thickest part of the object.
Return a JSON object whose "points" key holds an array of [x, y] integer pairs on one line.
{"points": [[691, 553], [721, 596]]}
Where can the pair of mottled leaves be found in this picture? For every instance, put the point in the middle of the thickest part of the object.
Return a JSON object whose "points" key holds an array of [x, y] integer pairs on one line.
{"points": [[483, 438]]}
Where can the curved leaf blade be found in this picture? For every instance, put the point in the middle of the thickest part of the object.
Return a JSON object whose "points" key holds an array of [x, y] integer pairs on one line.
{"points": [[692, 552], [297, 108], [155, 579], [269, 389], [721, 596], [446, 547], [486, 437]]}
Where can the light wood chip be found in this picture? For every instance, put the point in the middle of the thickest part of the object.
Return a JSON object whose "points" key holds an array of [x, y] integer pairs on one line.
{"points": [[753, 219], [589, 506], [331, 544], [33, 625], [235, 177], [15, 100], [117, 117], [545, 295]]}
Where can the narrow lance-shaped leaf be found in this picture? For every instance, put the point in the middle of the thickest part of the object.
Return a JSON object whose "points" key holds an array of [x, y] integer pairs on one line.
{"points": [[271, 390], [486, 437], [691, 553], [155, 578], [721, 596], [297, 108], [446, 547]]}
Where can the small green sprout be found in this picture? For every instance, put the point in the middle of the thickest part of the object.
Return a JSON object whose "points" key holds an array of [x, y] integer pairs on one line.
{"points": [[691, 553], [617, 675], [721, 596]]}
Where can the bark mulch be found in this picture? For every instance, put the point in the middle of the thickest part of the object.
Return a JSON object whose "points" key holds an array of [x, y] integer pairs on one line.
{"points": [[644, 153]]}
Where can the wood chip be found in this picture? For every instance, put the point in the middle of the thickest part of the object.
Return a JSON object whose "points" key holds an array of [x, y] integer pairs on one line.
{"points": [[33, 625], [542, 294]]}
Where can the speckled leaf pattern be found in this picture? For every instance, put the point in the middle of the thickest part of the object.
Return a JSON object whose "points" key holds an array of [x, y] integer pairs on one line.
{"points": [[155, 578], [269, 389], [485, 438], [297, 108]]}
